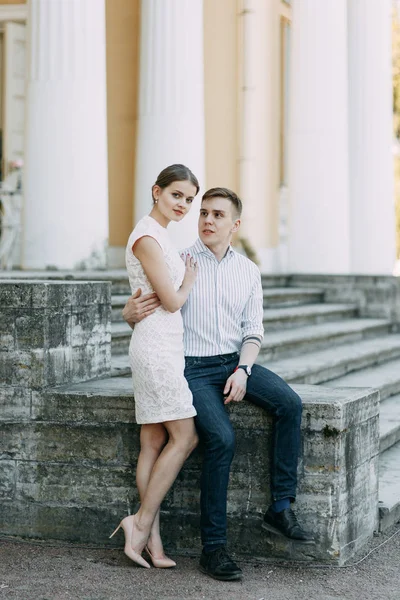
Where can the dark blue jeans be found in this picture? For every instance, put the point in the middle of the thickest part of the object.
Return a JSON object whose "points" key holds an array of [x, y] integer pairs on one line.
{"points": [[207, 377]]}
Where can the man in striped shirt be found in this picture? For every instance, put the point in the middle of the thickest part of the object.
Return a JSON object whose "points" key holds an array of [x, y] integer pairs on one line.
{"points": [[223, 324]]}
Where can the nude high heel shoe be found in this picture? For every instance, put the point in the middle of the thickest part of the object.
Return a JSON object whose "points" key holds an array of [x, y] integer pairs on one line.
{"points": [[127, 526], [160, 563]]}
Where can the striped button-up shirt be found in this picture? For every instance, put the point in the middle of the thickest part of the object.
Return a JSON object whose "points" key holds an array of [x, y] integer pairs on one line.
{"points": [[225, 304]]}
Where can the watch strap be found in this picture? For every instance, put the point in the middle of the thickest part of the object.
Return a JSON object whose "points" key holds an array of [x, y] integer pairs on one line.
{"points": [[245, 368]]}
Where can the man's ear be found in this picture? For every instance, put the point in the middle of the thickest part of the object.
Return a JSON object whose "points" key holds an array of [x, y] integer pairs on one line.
{"points": [[236, 226]]}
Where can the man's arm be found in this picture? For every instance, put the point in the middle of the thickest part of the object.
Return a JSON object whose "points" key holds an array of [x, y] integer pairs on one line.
{"points": [[236, 384], [253, 332], [139, 307]]}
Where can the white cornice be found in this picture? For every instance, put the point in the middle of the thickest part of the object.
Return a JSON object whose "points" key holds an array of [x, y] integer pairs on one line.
{"points": [[13, 12]]}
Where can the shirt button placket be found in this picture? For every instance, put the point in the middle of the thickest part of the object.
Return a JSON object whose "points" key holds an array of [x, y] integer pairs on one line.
{"points": [[217, 302]]}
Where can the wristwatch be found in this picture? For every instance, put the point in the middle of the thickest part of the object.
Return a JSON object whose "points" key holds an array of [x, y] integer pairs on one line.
{"points": [[245, 368]]}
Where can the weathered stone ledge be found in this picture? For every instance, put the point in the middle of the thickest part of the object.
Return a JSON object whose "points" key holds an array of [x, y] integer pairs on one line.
{"points": [[375, 295], [70, 475]]}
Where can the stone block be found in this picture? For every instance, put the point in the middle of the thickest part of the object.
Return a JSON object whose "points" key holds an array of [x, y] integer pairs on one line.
{"points": [[17, 441], [15, 294], [6, 367], [70, 523], [90, 325], [58, 327], [375, 296], [22, 368], [90, 361], [30, 329], [68, 442], [7, 479], [7, 329], [59, 366], [73, 467], [87, 293], [64, 442], [54, 332], [78, 408], [71, 484], [15, 403]]}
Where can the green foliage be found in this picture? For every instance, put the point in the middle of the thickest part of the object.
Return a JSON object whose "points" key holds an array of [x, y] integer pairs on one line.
{"points": [[248, 249]]}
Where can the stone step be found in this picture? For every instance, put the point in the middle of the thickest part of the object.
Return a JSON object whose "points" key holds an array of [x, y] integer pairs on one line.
{"points": [[315, 367], [118, 302], [283, 296], [291, 342], [389, 487], [389, 422], [118, 277], [120, 365], [275, 281], [120, 338], [274, 299], [384, 377], [325, 365], [276, 319], [308, 339]]}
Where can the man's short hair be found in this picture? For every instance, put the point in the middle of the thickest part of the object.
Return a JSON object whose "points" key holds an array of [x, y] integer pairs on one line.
{"points": [[220, 192]]}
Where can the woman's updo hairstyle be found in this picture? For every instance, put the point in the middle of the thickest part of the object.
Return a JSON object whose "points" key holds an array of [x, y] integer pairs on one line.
{"points": [[175, 173]]}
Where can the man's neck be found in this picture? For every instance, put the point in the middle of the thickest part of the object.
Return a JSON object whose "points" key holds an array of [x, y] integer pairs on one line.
{"points": [[219, 251]]}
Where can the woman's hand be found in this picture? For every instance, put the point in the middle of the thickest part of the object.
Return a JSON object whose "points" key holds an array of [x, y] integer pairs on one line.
{"points": [[191, 269]]}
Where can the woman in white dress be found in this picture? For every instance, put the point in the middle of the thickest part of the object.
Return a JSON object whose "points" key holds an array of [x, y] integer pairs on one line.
{"points": [[163, 401]]}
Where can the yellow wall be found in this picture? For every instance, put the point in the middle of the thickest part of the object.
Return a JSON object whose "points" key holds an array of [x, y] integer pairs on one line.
{"points": [[122, 52], [221, 93], [12, 1], [223, 57]]}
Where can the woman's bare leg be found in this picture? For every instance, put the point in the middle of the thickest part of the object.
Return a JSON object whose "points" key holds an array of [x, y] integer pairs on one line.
{"points": [[182, 440], [153, 438]]}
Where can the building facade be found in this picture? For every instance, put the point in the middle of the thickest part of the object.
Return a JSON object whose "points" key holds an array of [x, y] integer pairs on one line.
{"points": [[289, 103]]}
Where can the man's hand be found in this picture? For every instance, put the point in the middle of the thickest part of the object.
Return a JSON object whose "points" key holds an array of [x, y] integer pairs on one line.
{"points": [[139, 307], [235, 387]]}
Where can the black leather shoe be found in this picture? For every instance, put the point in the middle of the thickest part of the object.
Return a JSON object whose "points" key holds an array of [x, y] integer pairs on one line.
{"points": [[286, 523], [219, 565]]}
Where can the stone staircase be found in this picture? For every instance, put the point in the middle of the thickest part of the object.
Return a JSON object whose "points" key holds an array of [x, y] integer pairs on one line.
{"points": [[311, 341], [335, 331]]}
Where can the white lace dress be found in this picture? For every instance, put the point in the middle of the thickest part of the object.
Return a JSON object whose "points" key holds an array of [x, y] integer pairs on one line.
{"points": [[156, 349]]}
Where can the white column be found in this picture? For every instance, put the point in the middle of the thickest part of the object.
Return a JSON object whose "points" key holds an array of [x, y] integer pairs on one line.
{"points": [[66, 187], [370, 137], [318, 173], [171, 102], [258, 151]]}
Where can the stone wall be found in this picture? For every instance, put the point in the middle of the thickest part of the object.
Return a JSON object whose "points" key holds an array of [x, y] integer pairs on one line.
{"points": [[376, 296], [51, 333], [68, 450], [69, 473]]}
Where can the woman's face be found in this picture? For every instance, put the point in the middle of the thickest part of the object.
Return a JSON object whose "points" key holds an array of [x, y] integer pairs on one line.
{"points": [[175, 201]]}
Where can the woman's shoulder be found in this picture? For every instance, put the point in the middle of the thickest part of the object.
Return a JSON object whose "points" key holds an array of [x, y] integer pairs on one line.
{"points": [[147, 226]]}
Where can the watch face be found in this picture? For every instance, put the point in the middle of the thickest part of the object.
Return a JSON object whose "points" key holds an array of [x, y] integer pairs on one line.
{"points": [[246, 369]]}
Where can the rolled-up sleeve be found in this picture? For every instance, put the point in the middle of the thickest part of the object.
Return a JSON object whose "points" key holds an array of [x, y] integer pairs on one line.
{"points": [[253, 314]]}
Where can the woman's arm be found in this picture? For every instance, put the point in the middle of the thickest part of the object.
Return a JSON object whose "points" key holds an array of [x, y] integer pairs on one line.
{"points": [[148, 251]]}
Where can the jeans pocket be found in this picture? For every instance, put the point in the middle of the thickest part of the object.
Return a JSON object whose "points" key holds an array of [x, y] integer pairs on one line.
{"points": [[191, 361]]}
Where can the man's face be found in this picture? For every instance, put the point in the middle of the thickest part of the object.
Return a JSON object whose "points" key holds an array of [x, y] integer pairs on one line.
{"points": [[217, 221]]}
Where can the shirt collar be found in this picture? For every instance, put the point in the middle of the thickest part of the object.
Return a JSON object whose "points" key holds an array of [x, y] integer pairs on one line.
{"points": [[201, 248]]}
